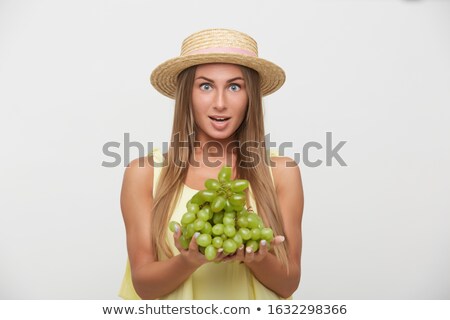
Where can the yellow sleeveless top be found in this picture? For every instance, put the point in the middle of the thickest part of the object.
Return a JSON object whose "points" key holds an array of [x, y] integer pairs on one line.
{"points": [[212, 281]]}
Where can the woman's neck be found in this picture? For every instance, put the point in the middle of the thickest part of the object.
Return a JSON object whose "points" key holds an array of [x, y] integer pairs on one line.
{"points": [[210, 152]]}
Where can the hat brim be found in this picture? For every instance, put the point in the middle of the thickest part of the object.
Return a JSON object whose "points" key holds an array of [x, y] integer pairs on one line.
{"points": [[164, 77]]}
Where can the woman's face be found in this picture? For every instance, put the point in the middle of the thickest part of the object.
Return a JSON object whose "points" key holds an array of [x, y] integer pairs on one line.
{"points": [[219, 101]]}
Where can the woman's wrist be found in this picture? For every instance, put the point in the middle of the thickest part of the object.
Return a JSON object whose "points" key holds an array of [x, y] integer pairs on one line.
{"points": [[190, 262], [256, 262]]}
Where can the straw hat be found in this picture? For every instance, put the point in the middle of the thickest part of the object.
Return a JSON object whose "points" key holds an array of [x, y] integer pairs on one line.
{"points": [[217, 46]]}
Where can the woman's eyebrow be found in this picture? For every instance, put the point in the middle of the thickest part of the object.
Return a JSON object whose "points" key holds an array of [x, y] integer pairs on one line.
{"points": [[212, 81]]}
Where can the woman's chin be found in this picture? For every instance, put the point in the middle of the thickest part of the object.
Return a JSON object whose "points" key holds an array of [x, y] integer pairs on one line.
{"points": [[211, 134], [219, 136]]}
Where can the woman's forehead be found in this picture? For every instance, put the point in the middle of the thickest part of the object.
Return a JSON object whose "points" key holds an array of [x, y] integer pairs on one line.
{"points": [[218, 70]]}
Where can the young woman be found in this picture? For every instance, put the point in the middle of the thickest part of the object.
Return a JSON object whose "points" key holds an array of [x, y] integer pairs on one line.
{"points": [[218, 83]]}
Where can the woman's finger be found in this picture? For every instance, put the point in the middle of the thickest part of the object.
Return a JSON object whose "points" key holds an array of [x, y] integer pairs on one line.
{"points": [[176, 238], [219, 256], [230, 256], [249, 254], [277, 241], [262, 248], [193, 244], [240, 253]]}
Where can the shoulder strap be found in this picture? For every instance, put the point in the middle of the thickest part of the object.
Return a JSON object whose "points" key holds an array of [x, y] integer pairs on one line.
{"points": [[158, 160]]}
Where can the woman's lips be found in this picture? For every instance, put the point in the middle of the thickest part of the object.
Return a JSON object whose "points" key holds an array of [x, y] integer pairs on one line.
{"points": [[219, 124], [219, 118]]}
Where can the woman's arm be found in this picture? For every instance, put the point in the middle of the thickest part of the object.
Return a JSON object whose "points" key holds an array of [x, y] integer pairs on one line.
{"points": [[269, 271], [152, 279]]}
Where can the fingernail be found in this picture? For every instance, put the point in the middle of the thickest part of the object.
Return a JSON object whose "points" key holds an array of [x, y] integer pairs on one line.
{"points": [[177, 228], [282, 238], [220, 250], [249, 250], [196, 235], [263, 242], [241, 247]]}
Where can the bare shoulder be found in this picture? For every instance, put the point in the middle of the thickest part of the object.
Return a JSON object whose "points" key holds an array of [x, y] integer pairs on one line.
{"points": [[289, 189], [286, 172], [139, 173], [136, 195]]}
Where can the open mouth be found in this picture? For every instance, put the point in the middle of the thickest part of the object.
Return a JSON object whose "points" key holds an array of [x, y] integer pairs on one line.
{"points": [[219, 119]]}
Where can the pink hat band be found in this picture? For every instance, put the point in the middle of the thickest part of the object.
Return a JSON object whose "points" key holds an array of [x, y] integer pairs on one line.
{"points": [[223, 50]]}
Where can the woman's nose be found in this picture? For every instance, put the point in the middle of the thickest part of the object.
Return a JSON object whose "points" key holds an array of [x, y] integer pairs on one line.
{"points": [[219, 101]]}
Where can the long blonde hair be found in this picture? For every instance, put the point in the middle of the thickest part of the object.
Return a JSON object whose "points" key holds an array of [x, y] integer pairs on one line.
{"points": [[174, 171]]}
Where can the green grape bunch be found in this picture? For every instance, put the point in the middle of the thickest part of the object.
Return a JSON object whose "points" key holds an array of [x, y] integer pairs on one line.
{"points": [[220, 216]]}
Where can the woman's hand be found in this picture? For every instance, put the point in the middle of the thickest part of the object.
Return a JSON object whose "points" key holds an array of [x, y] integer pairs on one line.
{"points": [[191, 255], [247, 255]]}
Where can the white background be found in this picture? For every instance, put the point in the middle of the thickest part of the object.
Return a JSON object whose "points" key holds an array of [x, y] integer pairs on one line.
{"points": [[74, 75]]}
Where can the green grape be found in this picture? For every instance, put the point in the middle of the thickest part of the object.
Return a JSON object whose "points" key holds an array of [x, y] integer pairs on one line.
{"points": [[239, 185], [261, 223], [237, 200], [267, 234], [242, 213], [242, 222], [217, 229], [238, 239], [172, 225], [256, 234], [227, 221], [207, 228], [253, 220], [203, 215], [197, 199], [210, 252], [217, 217], [199, 224], [229, 246], [207, 208], [225, 174], [245, 233], [208, 195], [252, 244], [184, 242], [212, 184], [217, 242], [220, 215], [228, 206], [190, 230], [218, 204], [229, 231], [187, 218], [192, 207], [231, 214], [204, 240]]}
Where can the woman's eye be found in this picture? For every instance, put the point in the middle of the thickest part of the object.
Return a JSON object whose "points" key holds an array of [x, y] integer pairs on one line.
{"points": [[205, 86], [235, 87]]}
